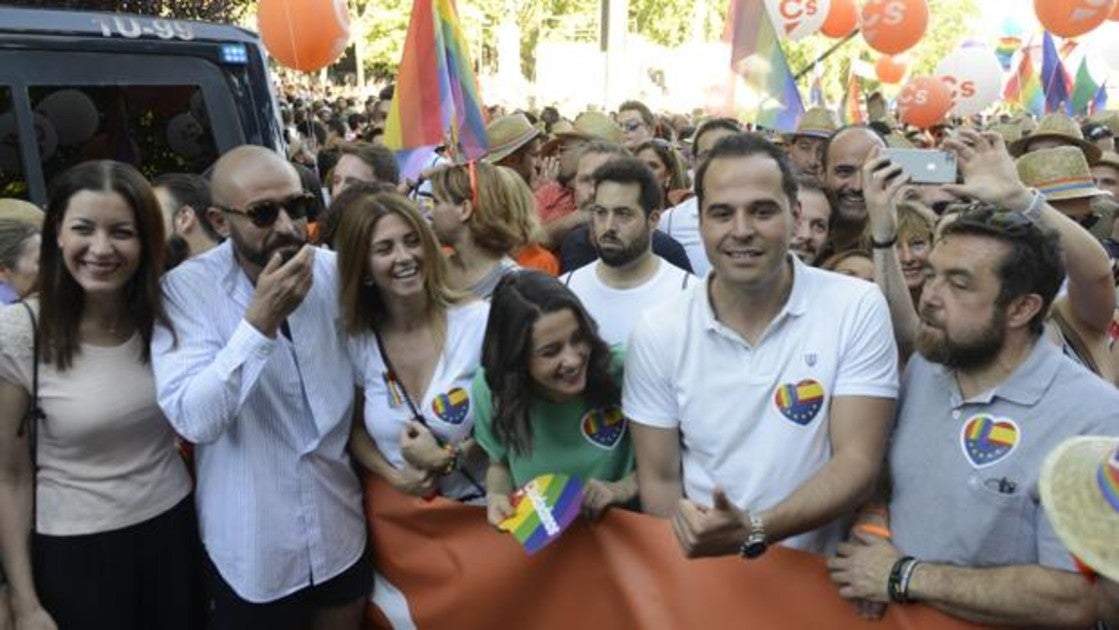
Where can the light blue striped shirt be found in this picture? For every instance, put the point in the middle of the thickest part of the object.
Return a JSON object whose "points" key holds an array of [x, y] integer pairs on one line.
{"points": [[279, 505]]}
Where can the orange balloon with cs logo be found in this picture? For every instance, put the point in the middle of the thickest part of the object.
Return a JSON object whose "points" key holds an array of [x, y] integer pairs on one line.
{"points": [[924, 101], [894, 26]]}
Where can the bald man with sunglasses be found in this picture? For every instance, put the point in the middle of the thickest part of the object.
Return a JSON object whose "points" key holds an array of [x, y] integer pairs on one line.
{"points": [[254, 373]]}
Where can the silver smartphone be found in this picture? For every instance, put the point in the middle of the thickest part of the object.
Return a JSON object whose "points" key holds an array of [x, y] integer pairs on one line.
{"points": [[926, 166]]}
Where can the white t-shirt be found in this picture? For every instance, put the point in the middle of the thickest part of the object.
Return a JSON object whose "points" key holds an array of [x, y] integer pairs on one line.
{"points": [[617, 310], [682, 223], [754, 420], [446, 404]]}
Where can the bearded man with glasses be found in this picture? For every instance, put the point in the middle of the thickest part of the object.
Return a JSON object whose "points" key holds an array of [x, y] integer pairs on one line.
{"points": [[253, 371]]}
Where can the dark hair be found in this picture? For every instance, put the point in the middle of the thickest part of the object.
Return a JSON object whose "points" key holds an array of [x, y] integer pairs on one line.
{"points": [[1033, 263], [642, 109], [601, 147], [61, 299], [745, 145], [331, 217], [712, 124], [630, 170], [309, 181], [517, 303], [378, 158], [813, 184], [670, 159], [193, 191], [387, 92], [838, 132]]}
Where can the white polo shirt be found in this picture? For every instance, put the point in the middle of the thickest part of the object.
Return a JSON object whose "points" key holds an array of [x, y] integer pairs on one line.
{"points": [[616, 310], [681, 222], [754, 419]]}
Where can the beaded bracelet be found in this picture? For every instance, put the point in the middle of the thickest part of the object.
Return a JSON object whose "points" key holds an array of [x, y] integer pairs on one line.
{"points": [[452, 463]]}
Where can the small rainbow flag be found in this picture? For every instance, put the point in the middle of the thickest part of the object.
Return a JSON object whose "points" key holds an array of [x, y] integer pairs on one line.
{"points": [[437, 100], [544, 508], [851, 111], [1024, 86], [1006, 48], [756, 56]]}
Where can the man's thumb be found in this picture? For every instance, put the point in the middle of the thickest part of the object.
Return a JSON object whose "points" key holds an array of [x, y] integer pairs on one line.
{"points": [[720, 500]]}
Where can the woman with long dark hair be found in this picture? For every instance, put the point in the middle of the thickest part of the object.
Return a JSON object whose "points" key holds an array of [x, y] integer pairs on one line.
{"points": [[549, 398], [108, 498], [415, 345]]}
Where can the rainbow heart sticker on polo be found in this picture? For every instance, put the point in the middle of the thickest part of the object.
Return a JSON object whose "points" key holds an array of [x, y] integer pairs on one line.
{"points": [[604, 427], [800, 402], [987, 440], [452, 406]]}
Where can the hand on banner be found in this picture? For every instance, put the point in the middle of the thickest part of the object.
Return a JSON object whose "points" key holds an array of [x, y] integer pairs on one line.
{"points": [[713, 531], [988, 170], [498, 508], [413, 481], [861, 567], [599, 495], [883, 180], [420, 448]]}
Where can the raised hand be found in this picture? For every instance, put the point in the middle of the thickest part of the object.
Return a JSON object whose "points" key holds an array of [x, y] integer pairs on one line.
{"points": [[280, 289]]}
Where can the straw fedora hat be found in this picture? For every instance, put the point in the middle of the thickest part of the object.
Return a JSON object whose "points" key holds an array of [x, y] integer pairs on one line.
{"points": [[587, 126], [1011, 132], [1058, 173], [817, 122], [22, 211], [1108, 158], [1080, 491], [1109, 117], [1057, 127], [507, 134]]}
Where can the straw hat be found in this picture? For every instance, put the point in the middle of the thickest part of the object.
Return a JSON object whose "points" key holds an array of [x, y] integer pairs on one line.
{"points": [[1108, 117], [22, 211], [1080, 491], [1011, 132], [1108, 158], [507, 134], [1058, 173], [817, 122], [1057, 127], [587, 126]]}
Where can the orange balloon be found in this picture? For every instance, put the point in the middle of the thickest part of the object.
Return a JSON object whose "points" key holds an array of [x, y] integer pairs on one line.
{"points": [[1070, 18], [894, 26], [1114, 17], [890, 69], [924, 101], [305, 35], [843, 17]]}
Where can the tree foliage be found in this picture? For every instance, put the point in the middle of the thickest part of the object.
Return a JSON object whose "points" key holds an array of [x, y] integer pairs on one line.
{"points": [[206, 10]]}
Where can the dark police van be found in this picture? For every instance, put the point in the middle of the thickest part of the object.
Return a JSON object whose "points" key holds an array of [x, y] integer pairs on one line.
{"points": [[163, 95]]}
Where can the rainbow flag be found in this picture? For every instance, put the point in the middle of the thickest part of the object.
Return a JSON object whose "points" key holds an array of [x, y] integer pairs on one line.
{"points": [[1024, 86], [543, 508], [757, 57], [851, 112], [437, 100], [1054, 79]]}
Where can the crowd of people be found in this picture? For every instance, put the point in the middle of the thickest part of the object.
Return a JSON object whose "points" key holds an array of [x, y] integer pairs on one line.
{"points": [[763, 338]]}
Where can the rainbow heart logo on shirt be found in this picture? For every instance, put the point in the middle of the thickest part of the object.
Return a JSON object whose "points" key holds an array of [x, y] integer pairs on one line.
{"points": [[800, 402], [988, 440], [542, 509], [452, 406], [604, 427]]}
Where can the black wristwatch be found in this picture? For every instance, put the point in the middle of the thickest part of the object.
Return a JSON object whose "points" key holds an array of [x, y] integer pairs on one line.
{"points": [[755, 544]]}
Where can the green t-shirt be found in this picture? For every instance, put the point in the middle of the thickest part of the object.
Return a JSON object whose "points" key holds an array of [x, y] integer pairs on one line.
{"points": [[567, 437]]}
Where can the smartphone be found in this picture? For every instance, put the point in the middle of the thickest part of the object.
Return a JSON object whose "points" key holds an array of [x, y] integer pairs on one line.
{"points": [[926, 166]]}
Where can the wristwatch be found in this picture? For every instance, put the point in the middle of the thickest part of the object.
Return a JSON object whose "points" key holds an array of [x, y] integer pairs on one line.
{"points": [[755, 544]]}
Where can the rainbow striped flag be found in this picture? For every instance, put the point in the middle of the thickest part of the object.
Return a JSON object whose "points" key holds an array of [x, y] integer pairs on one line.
{"points": [[437, 100], [757, 57], [1024, 86], [543, 508]]}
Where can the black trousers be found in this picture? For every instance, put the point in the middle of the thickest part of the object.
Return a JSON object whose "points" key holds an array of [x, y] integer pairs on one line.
{"points": [[148, 575]]}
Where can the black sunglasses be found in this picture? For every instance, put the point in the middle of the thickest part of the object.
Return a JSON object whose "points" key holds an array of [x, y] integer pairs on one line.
{"points": [[264, 213]]}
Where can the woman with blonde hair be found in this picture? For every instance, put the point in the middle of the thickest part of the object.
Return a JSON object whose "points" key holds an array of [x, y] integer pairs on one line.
{"points": [[477, 215], [916, 224], [415, 344]]}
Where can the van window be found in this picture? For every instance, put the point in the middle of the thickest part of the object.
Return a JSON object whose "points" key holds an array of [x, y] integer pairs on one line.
{"points": [[159, 128], [12, 180]]}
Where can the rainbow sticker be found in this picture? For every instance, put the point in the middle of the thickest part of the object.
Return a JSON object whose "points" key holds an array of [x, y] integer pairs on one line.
{"points": [[604, 427], [452, 406], [988, 440], [544, 507], [800, 402]]}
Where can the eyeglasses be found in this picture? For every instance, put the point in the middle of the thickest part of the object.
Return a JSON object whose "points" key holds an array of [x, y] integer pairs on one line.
{"points": [[264, 213]]}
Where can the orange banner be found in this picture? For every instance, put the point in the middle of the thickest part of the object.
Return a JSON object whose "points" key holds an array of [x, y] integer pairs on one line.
{"points": [[448, 568]]}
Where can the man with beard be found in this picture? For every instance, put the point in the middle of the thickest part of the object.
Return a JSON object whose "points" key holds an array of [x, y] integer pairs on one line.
{"points": [[184, 199], [255, 374], [761, 397], [981, 406], [577, 249], [844, 156], [624, 214], [811, 234]]}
